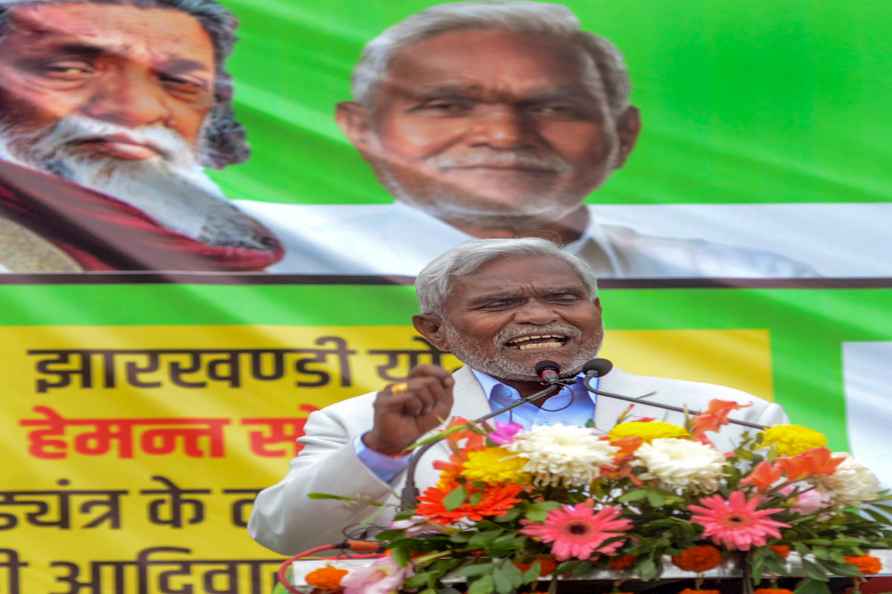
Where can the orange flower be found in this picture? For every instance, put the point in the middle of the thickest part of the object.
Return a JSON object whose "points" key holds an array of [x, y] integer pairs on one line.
{"points": [[781, 550], [814, 462], [698, 558], [763, 476], [475, 441], [621, 562], [495, 500], [772, 591], [326, 578], [692, 591], [627, 447], [866, 564], [547, 565], [713, 418]]}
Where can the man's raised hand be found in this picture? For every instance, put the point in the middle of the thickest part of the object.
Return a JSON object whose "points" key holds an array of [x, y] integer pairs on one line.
{"points": [[407, 410]]}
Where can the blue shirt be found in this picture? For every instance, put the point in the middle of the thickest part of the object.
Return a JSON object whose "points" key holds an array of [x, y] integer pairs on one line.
{"points": [[573, 405]]}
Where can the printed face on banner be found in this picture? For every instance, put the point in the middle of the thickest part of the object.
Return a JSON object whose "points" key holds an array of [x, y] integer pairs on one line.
{"points": [[130, 105], [475, 125], [514, 312], [138, 69]]}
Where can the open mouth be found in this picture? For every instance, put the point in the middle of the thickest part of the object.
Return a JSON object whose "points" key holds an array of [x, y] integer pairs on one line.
{"points": [[537, 342]]}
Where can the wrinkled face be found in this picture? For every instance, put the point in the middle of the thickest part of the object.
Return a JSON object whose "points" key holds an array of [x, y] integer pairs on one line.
{"points": [[516, 311], [483, 123], [121, 66]]}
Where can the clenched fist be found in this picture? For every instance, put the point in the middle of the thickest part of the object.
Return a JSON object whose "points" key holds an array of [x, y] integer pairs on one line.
{"points": [[401, 418]]}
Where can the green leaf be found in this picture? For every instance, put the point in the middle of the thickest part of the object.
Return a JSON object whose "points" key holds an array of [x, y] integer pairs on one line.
{"points": [[454, 498], [813, 587], [514, 574], [470, 571], [482, 540], [279, 589], [537, 512], [646, 569], [634, 495], [506, 544], [475, 498], [418, 580], [814, 570], [655, 498], [400, 554], [501, 581], [484, 585]]}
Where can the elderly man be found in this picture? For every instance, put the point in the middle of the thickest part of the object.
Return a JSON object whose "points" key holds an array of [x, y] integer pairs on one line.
{"points": [[127, 101], [497, 120], [500, 306]]}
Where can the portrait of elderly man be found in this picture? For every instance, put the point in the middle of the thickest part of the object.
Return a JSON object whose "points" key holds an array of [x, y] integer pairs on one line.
{"points": [[498, 119], [109, 113], [500, 306]]}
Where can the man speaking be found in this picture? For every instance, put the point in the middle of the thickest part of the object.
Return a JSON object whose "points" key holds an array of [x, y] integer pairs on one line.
{"points": [[501, 306]]}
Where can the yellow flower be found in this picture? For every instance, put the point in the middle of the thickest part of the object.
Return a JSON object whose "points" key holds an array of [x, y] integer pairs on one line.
{"points": [[647, 430], [495, 465], [792, 440]]}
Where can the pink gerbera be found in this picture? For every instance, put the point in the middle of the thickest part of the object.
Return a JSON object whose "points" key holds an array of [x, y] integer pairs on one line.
{"points": [[577, 531], [735, 523]]}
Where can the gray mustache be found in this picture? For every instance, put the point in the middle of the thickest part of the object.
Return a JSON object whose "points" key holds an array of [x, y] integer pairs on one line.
{"points": [[505, 159]]}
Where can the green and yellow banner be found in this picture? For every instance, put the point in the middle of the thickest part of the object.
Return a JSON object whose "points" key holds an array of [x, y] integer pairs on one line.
{"points": [[211, 214]]}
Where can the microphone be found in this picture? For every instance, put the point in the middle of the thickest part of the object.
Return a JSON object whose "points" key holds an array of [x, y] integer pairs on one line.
{"points": [[601, 367], [547, 371], [597, 367]]}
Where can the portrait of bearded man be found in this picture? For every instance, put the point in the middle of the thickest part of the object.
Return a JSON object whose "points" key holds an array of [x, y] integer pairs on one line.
{"points": [[127, 101]]}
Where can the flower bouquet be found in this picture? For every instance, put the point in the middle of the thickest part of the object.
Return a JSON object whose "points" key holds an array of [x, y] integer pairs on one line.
{"points": [[513, 507]]}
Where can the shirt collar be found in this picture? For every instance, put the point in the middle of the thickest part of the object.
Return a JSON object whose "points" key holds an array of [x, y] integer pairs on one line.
{"points": [[488, 383]]}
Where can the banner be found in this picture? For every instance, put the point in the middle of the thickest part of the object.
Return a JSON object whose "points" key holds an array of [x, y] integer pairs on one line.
{"points": [[209, 232]]}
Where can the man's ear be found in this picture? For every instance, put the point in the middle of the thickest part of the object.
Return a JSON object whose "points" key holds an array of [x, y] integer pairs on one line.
{"points": [[628, 126], [431, 327], [354, 120]]}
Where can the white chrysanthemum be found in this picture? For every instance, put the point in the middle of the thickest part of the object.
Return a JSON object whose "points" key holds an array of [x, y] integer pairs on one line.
{"points": [[682, 463], [851, 483], [563, 454]]}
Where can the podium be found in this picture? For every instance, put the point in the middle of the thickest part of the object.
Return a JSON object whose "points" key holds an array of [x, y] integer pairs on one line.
{"points": [[725, 578]]}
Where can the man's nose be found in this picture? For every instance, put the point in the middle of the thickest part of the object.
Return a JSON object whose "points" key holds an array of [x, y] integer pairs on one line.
{"points": [[500, 126], [130, 97], [535, 312]]}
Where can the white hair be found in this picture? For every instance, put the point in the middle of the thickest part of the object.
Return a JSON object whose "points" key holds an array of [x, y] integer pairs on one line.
{"points": [[434, 283], [509, 15]]}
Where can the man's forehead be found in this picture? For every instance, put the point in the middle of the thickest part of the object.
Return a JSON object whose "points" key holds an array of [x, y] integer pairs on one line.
{"points": [[485, 60], [160, 33], [513, 274]]}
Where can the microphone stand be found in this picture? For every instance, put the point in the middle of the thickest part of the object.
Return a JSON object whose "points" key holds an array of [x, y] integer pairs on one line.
{"points": [[409, 494], [640, 400]]}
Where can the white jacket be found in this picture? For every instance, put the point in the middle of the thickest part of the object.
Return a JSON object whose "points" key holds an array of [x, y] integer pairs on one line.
{"points": [[285, 520]]}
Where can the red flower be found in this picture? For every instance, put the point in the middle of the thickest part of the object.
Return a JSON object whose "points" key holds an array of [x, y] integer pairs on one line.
{"points": [[781, 550], [621, 562], [772, 591], [698, 558], [763, 476], [866, 564], [814, 462], [494, 501], [547, 565], [713, 418]]}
